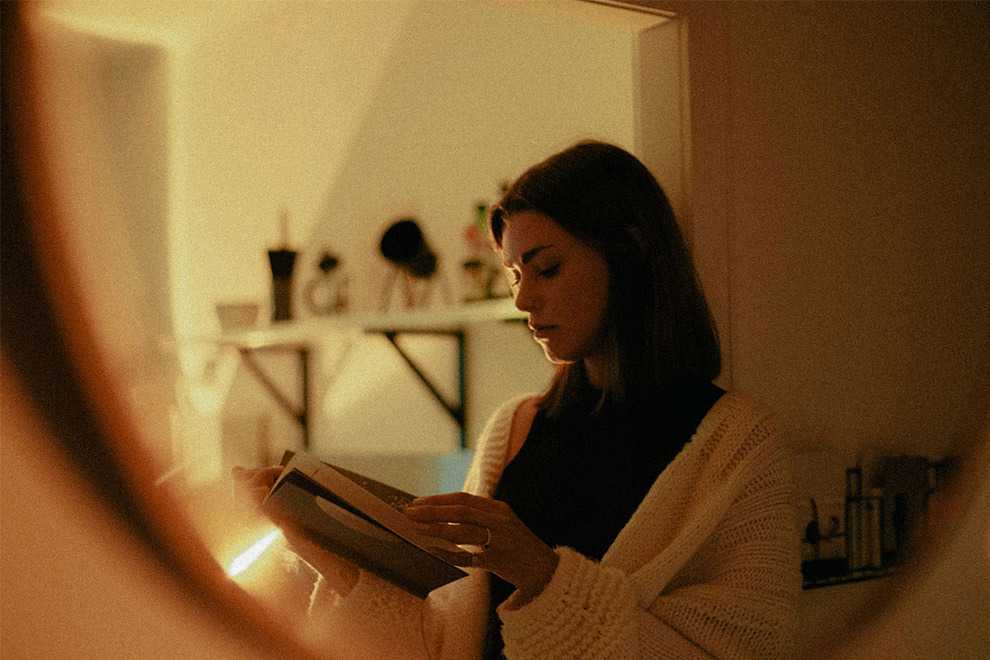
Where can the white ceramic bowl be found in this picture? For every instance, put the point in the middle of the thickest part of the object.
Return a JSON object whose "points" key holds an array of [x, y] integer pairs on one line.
{"points": [[237, 316]]}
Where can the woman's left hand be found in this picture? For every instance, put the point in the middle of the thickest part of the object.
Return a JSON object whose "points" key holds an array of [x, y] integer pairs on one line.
{"points": [[508, 548]]}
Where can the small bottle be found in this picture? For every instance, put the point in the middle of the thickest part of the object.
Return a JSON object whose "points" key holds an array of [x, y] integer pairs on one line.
{"points": [[854, 519], [874, 528], [320, 293], [476, 268]]}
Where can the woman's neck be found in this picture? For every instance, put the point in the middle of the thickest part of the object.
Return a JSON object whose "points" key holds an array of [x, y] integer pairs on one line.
{"points": [[601, 370]]}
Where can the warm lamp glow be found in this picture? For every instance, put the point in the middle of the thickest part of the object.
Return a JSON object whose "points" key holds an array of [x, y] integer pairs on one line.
{"points": [[249, 556]]}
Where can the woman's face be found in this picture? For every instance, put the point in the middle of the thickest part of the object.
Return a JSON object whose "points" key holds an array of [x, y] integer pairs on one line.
{"points": [[562, 284]]}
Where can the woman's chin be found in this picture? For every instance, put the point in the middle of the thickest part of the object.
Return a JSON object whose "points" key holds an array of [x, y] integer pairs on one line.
{"points": [[556, 358]]}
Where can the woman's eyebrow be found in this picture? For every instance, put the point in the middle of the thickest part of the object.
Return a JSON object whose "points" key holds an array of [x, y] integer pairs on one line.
{"points": [[529, 254]]}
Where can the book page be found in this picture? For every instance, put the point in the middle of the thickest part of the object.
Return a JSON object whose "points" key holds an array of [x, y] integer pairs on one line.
{"points": [[362, 500], [395, 498]]}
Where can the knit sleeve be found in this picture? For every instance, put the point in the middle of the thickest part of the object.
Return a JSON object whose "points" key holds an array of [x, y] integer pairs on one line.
{"points": [[351, 627], [378, 620], [730, 576], [737, 596]]}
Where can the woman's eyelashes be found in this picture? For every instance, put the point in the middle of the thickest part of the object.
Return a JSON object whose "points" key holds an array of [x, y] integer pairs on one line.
{"points": [[515, 276]]}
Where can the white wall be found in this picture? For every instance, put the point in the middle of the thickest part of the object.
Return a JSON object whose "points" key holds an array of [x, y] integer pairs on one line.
{"points": [[349, 115], [838, 155], [268, 111], [459, 98], [459, 109]]}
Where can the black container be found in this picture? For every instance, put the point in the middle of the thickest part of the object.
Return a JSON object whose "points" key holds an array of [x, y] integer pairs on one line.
{"points": [[282, 263]]}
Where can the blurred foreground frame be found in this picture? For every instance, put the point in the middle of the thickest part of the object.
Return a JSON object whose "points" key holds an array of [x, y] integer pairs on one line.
{"points": [[54, 370], [50, 354]]}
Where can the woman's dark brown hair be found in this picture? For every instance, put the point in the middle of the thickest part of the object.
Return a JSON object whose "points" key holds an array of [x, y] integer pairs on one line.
{"points": [[606, 198]]}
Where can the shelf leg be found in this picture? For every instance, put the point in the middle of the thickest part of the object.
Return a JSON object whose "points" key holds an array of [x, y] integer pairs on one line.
{"points": [[300, 415], [456, 411]]}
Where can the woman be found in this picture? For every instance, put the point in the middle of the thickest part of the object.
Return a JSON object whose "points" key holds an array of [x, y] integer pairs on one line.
{"points": [[634, 509]]}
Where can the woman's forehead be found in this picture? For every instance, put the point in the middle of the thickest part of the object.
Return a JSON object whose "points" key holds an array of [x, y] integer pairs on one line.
{"points": [[529, 231]]}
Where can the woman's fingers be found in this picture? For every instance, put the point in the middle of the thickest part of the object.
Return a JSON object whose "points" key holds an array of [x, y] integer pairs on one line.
{"points": [[461, 534], [462, 509], [456, 513], [257, 477], [457, 499], [455, 558], [256, 482], [507, 547]]}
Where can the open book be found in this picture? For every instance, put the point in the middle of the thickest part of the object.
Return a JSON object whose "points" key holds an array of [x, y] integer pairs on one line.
{"points": [[359, 519]]}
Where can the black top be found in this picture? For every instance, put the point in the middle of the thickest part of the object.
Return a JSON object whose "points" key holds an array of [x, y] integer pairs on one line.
{"points": [[577, 480]]}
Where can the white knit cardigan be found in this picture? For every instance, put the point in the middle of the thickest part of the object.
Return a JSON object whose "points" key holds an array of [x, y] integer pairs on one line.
{"points": [[707, 566]]}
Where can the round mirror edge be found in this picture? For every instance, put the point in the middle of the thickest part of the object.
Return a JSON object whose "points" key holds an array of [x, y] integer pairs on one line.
{"points": [[51, 355]]}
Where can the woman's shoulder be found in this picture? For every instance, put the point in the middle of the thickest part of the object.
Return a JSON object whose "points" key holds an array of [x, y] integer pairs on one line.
{"points": [[523, 411], [492, 445], [736, 407], [519, 407], [506, 419], [522, 420], [738, 424]]}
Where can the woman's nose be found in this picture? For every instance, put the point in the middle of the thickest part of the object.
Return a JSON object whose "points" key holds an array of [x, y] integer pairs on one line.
{"points": [[527, 297]]}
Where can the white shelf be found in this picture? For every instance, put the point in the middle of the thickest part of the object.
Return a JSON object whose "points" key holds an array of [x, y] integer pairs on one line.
{"points": [[309, 330], [301, 337]]}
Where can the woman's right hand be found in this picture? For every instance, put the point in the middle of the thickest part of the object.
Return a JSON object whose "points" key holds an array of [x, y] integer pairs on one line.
{"points": [[339, 573], [256, 483]]}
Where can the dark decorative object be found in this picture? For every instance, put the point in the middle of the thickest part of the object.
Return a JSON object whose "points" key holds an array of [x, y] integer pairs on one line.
{"points": [[328, 263], [282, 264], [813, 531], [854, 514], [824, 538], [404, 245]]}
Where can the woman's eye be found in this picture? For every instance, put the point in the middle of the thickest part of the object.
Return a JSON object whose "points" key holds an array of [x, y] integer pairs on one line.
{"points": [[549, 272]]}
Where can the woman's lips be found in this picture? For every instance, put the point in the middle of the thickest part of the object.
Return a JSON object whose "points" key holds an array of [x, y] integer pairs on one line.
{"points": [[541, 331]]}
